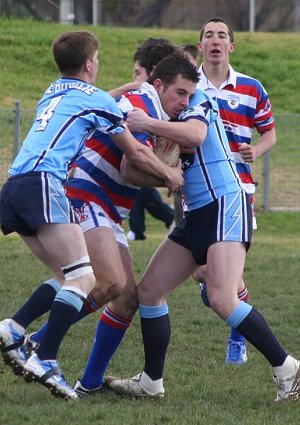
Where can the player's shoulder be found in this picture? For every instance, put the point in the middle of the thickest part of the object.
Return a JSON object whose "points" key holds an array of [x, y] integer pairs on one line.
{"points": [[246, 79]]}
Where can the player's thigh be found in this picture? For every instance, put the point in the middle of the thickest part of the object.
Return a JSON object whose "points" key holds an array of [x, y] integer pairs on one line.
{"points": [[170, 266], [105, 256], [39, 251], [63, 242]]}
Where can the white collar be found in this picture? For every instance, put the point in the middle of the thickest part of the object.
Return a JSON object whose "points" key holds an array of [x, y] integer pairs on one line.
{"points": [[150, 90], [205, 83]]}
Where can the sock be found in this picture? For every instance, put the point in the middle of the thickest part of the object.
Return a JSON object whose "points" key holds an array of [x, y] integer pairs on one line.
{"points": [[288, 368], [64, 309], [109, 334], [250, 323], [234, 334], [156, 331], [89, 306], [38, 304]]}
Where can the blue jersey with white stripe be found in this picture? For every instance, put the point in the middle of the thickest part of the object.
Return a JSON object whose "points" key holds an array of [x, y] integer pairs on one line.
{"points": [[210, 172], [67, 114]]}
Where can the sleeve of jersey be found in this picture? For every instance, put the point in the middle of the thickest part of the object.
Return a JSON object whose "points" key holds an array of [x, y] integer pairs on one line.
{"points": [[109, 117], [264, 119], [201, 112], [132, 100]]}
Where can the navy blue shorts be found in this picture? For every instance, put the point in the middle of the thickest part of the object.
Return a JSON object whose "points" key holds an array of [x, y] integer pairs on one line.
{"points": [[31, 199], [228, 218]]}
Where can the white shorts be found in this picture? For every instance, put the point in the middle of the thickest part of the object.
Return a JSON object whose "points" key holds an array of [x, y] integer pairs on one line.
{"points": [[91, 215]]}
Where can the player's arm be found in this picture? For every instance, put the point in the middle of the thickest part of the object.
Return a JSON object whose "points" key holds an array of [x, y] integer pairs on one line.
{"points": [[265, 142], [187, 133], [143, 158], [138, 177], [119, 91]]}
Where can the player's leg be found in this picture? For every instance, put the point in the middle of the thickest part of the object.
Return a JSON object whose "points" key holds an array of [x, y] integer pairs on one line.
{"points": [[225, 263], [113, 324], [65, 243], [105, 260], [163, 274], [155, 205], [137, 220], [236, 346], [14, 350]]}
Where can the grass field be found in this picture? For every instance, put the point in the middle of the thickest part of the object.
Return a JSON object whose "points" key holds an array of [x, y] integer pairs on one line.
{"points": [[200, 389]]}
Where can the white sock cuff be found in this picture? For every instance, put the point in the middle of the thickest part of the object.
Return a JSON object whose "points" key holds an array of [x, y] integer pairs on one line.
{"points": [[150, 386], [287, 369]]}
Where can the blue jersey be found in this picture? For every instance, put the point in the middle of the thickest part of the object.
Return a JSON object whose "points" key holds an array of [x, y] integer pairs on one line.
{"points": [[210, 172], [68, 113]]}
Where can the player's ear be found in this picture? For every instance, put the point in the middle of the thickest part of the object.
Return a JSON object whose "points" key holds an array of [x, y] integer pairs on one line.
{"points": [[232, 47], [158, 84]]}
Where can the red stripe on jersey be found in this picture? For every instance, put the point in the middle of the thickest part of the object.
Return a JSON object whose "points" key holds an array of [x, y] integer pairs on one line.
{"points": [[246, 178], [234, 146], [136, 100], [102, 150], [90, 197]]}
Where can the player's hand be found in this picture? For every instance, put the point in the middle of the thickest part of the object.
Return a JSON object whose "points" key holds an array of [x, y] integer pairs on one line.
{"points": [[174, 181], [248, 152], [137, 120]]}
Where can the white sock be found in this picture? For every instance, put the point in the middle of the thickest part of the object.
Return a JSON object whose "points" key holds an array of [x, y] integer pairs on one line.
{"points": [[288, 369], [150, 386], [17, 327]]}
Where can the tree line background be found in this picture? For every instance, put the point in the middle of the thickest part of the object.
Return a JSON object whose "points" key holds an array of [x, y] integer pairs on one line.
{"points": [[271, 15]]}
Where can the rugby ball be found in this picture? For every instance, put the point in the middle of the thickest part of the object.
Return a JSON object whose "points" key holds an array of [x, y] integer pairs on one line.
{"points": [[167, 151]]}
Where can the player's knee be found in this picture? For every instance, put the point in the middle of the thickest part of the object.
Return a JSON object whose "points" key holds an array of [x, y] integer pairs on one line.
{"points": [[80, 274], [146, 295]]}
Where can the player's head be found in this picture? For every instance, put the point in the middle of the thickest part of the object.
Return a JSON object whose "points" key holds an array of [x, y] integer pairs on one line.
{"points": [[148, 55], [216, 19], [191, 52], [216, 41], [175, 79], [72, 50]]}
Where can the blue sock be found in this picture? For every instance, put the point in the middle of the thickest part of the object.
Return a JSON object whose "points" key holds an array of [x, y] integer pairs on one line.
{"points": [[89, 306], [63, 311], [109, 334], [234, 334], [156, 330]]}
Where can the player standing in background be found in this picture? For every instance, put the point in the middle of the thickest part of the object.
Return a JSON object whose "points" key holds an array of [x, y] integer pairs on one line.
{"points": [[244, 106], [33, 201]]}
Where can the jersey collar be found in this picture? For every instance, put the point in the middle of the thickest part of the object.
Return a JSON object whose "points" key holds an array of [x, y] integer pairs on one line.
{"points": [[205, 84]]}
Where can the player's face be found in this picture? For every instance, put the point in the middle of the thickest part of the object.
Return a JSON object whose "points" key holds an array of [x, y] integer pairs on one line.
{"points": [[216, 45], [175, 97], [139, 73]]}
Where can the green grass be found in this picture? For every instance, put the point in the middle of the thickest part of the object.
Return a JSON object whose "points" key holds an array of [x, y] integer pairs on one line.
{"points": [[27, 66], [200, 389]]}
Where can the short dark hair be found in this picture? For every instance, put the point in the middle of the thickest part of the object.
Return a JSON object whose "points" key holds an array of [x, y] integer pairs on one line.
{"points": [[217, 19], [152, 51], [190, 49], [72, 49], [173, 65]]}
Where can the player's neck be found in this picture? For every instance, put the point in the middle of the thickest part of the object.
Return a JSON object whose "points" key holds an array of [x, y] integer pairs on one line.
{"points": [[217, 74]]}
